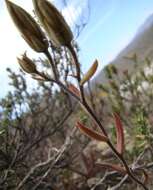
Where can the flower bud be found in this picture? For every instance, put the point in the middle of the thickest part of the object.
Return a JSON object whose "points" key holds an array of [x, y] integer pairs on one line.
{"points": [[27, 64], [90, 73], [53, 22], [29, 29]]}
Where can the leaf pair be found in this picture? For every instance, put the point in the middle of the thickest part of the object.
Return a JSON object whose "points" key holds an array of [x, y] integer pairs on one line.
{"points": [[97, 136], [93, 168]]}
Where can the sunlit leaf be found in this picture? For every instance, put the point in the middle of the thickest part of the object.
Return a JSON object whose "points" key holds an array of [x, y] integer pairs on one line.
{"points": [[90, 73]]}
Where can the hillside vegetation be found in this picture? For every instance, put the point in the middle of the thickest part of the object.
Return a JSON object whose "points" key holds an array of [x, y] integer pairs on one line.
{"points": [[58, 136]]}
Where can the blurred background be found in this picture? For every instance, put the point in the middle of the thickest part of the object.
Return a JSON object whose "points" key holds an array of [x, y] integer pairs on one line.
{"points": [[101, 28], [41, 146]]}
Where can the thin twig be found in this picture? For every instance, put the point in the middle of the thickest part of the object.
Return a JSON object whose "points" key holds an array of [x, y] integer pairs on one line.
{"points": [[100, 181], [119, 185], [54, 70], [63, 149]]}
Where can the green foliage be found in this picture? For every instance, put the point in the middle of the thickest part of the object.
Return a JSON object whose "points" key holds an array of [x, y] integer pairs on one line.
{"points": [[131, 96]]}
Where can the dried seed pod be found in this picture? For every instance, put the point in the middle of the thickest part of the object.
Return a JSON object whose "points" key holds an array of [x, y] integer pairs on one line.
{"points": [[29, 29], [53, 23], [90, 73], [27, 64]]}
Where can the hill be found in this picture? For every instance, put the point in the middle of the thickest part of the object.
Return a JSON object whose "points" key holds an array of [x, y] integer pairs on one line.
{"points": [[141, 45]]}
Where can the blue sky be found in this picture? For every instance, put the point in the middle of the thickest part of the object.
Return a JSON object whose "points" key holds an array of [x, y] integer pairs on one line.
{"points": [[112, 25]]}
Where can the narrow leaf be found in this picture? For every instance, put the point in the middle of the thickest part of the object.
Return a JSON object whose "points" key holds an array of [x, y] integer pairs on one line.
{"points": [[119, 134], [90, 133], [74, 90], [145, 175], [112, 167], [90, 73]]}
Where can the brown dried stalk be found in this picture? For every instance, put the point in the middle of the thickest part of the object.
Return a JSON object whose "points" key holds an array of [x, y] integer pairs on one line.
{"points": [[84, 103]]}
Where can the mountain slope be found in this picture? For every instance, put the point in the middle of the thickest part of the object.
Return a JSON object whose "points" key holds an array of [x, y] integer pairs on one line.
{"points": [[141, 45]]}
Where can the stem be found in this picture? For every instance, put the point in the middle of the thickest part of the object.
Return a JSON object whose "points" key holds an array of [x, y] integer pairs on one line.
{"points": [[52, 65], [77, 64], [129, 171], [119, 156], [83, 100], [70, 47], [90, 111], [94, 117]]}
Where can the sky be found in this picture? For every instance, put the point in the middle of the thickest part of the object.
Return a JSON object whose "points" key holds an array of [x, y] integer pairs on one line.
{"points": [[111, 26]]}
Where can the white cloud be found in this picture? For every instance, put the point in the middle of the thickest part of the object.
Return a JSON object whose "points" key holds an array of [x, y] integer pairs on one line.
{"points": [[102, 20], [71, 14], [73, 11]]}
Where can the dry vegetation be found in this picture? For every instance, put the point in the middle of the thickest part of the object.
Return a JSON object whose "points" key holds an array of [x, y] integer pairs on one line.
{"points": [[41, 144]]}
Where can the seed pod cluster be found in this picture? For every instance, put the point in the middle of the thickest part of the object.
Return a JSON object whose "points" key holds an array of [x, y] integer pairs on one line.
{"points": [[29, 29], [27, 64], [53, 22]]}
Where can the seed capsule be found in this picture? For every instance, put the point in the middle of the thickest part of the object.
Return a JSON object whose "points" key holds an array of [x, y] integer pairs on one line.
{"points": [[29, 29], [27, 64], [53, 22]]}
